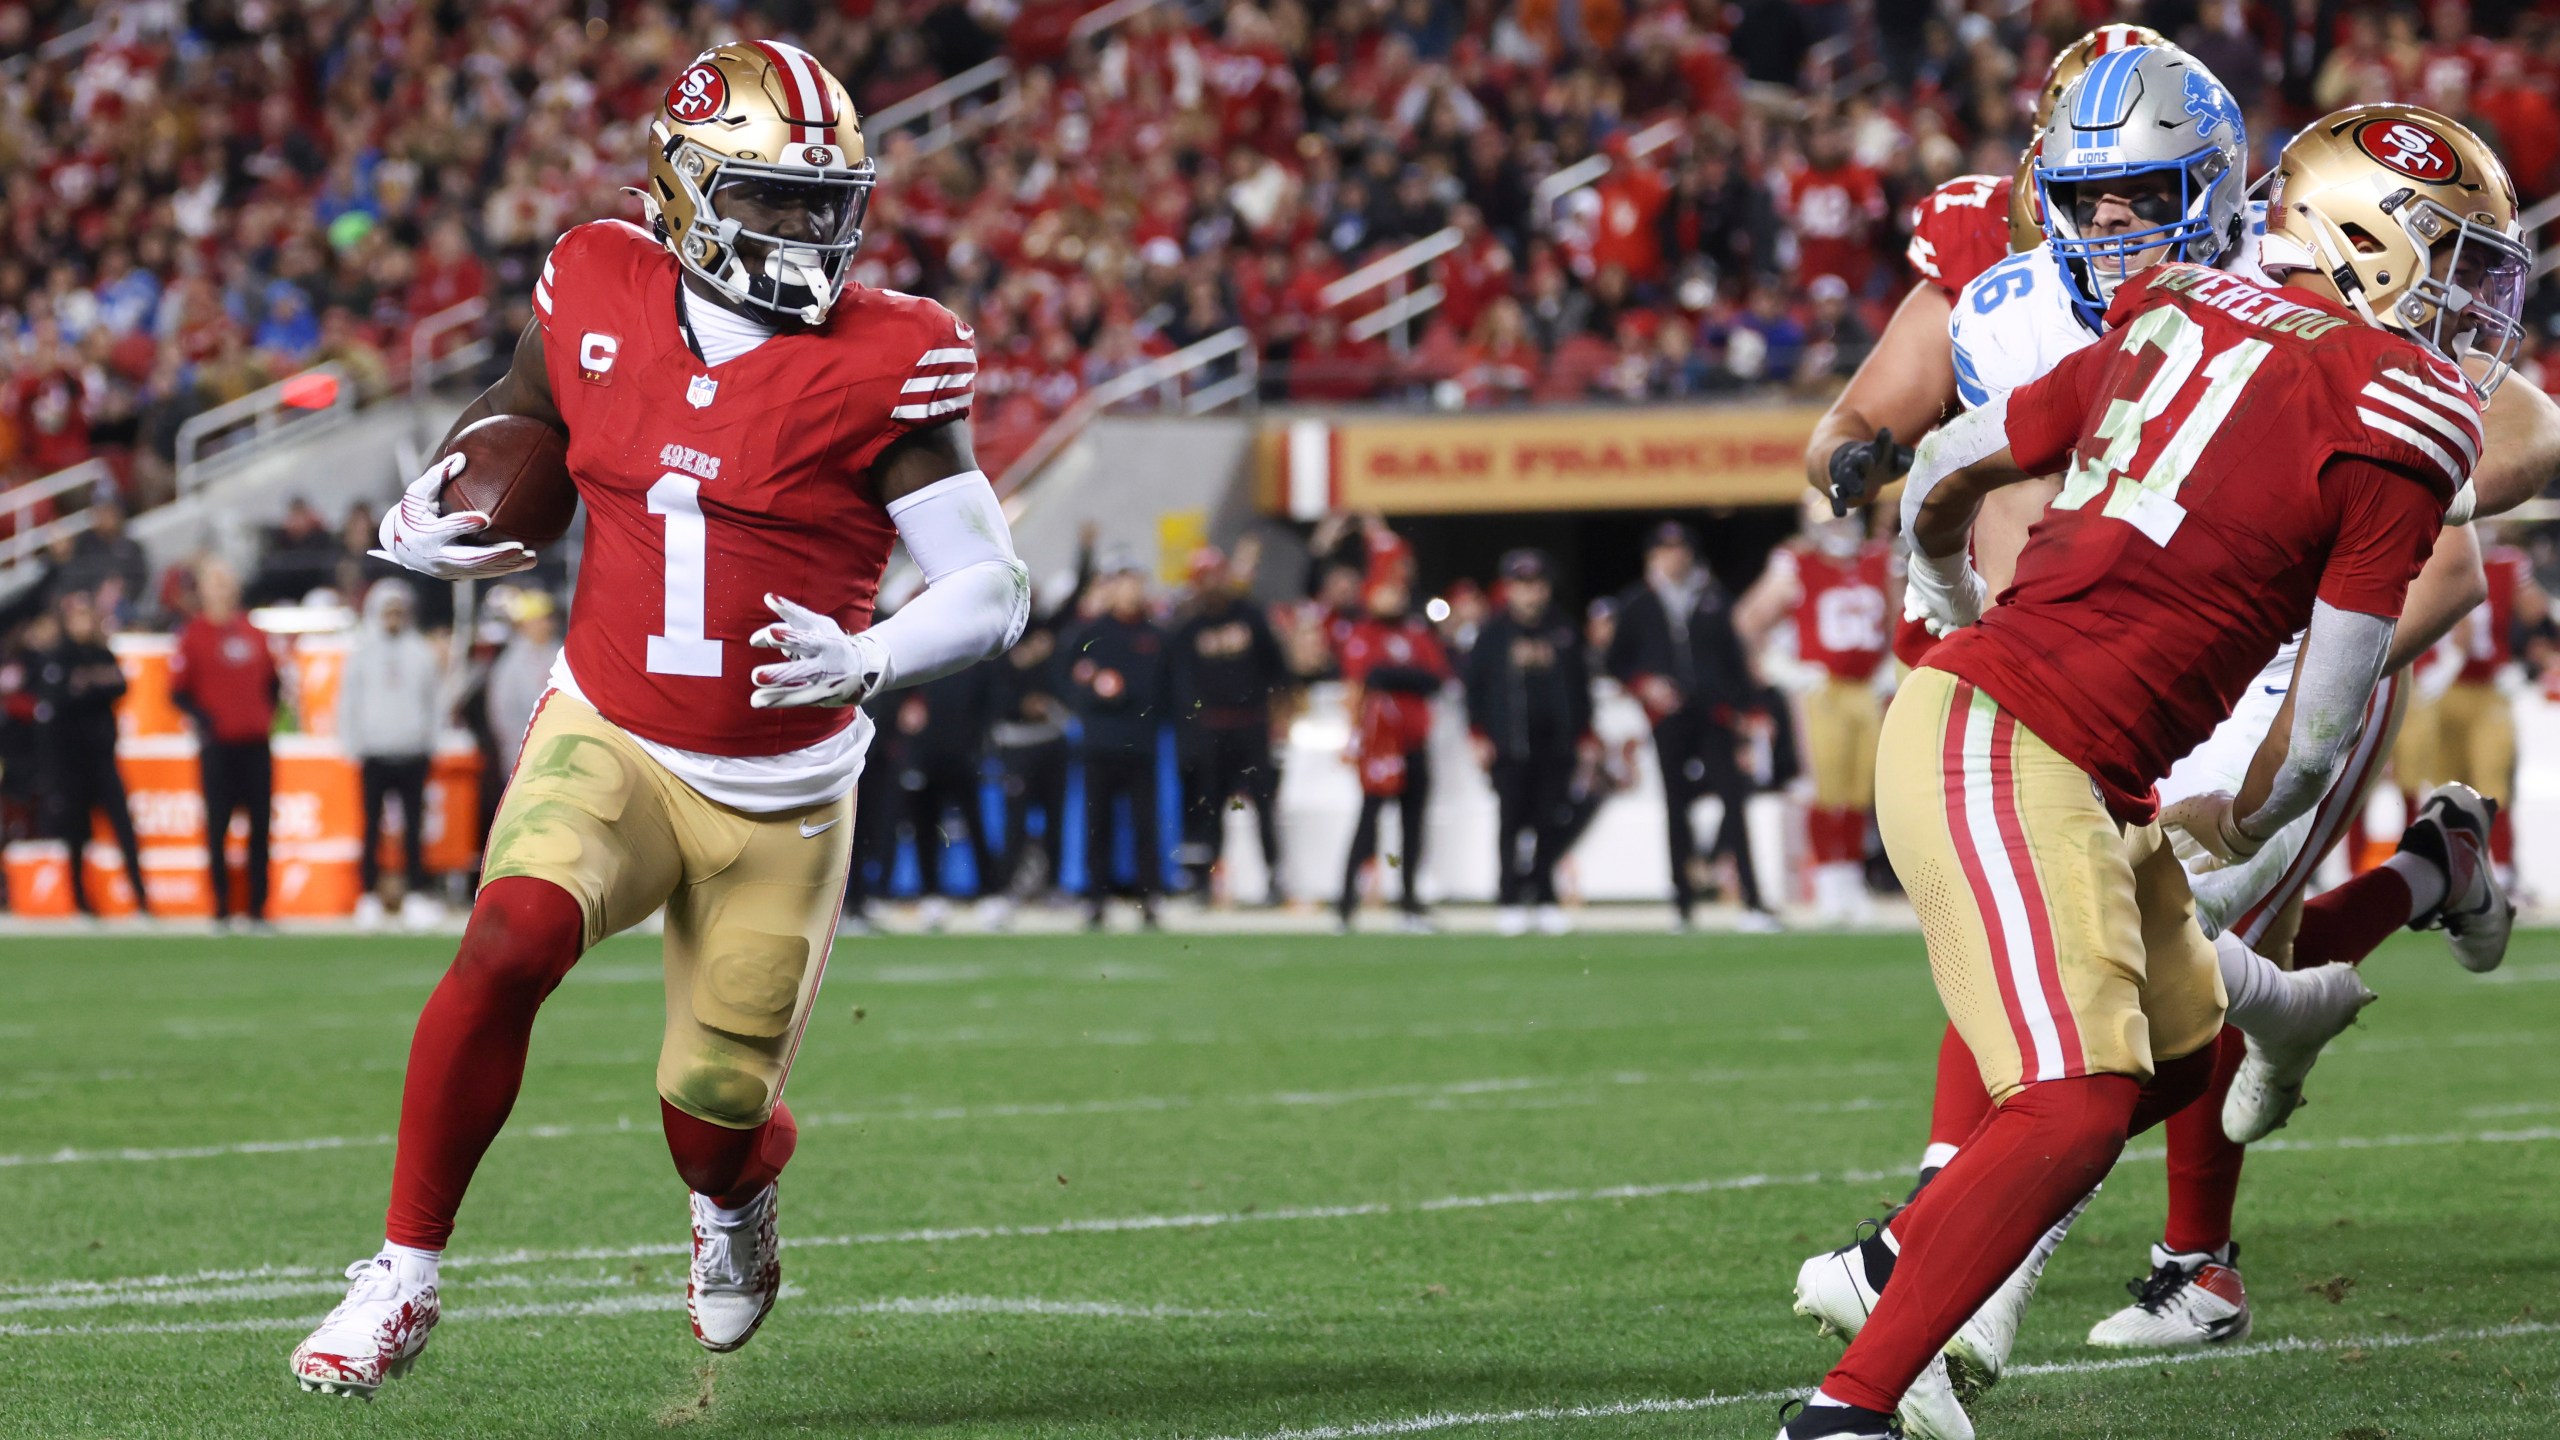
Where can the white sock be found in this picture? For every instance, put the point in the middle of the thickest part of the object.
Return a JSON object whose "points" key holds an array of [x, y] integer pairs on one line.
{"points": [[739, 1218], [1821, 1398], [1937, 1155], [411, 1261], [2253, 986], [2427, 884]]}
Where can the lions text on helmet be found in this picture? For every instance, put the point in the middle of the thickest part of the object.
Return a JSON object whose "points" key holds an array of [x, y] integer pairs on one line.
{"points": [[2413, 220], [2141, 161], [758, 179]]}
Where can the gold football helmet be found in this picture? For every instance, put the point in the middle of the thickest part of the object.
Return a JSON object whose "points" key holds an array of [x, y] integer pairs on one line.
{"points": [[2413, 219], [758, 178], [2026, 205]]}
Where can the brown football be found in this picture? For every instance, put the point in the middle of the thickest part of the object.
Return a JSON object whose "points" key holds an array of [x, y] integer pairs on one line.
{"points": [[517, 474]]}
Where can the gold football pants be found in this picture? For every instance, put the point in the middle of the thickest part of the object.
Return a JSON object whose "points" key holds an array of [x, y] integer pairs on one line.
{"points": [[2062, 942], [751, 899]]}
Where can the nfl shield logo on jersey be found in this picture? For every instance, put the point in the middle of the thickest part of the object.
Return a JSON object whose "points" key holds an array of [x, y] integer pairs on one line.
{"points": [[699, 393]]}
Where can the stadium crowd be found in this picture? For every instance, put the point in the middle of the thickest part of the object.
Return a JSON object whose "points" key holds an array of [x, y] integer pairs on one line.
{"points": [[202, 199]]}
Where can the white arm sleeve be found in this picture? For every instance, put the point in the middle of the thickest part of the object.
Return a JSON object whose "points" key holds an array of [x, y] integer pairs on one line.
{"points": [[1967, 440], [976, 596], [2342, 655]]}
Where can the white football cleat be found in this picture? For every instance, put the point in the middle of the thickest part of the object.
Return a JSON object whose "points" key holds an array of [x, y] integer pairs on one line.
{"points": [[368, 912], [1832, 1289], [995, 913], [2188, 1301], [1510, 921], [737, 1271], [1553, 921], [375, 1333], [419, 911], [2452, 833], [2268, 1086], [1980, 1350]]}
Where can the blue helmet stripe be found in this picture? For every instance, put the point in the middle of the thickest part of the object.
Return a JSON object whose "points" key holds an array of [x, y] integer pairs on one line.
{"points": [[2100, 103]]}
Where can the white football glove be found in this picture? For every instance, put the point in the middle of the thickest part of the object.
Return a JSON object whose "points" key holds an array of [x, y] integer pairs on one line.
{"points": [[417, 534], [1946, 595], [821, 664], [2205, 834]]}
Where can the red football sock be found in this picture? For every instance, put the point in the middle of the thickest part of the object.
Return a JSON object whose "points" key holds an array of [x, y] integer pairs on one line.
{"points": [[2043, 1150], [1853, 836], [2502, 841], [1821, 839], [729, 1165], [1961, 1104], [2204, 1164], [466, 1061], [2346, 924]]}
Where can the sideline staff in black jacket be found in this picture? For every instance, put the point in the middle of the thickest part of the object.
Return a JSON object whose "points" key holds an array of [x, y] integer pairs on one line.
{"points": [[1226, 668], [1119, 684], [1529, 704], [1675, 650], [76, 685]]}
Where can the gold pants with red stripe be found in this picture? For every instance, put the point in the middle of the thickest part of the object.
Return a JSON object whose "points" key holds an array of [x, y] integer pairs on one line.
{"points": [[2062, 942]]}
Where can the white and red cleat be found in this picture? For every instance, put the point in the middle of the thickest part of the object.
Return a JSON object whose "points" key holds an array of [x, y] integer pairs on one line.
{"points": [[375, 1333], [737, 1270], [2188, 1300]]}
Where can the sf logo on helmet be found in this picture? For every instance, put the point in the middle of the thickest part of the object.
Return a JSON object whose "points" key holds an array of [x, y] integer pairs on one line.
{"points": [[697, 95], [2413, 150]]}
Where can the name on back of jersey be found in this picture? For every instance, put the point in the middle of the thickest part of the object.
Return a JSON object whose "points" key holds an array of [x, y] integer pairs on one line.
{"points": [[2245, 302]]}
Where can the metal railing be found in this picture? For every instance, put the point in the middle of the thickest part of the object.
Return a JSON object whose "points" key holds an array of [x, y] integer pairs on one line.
{"points": [[269, 416], [940, 110], [1167, 376], [426, 367], [944, 114], [1393, 272], [27, 541]]}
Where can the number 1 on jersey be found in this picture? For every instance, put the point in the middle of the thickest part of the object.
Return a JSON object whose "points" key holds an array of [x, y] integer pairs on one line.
{"points": [[684, 649]]}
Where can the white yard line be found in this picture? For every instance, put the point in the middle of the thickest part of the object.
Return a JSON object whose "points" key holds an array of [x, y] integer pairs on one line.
{"points": [[1135, 1224], [931, 1114], [1457, 1420]]}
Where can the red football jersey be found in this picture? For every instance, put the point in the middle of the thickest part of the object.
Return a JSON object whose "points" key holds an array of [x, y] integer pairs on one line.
{"points": [[707, 486], [1960, 230], [2234, 452], [1841, 621], [2488, 645]]}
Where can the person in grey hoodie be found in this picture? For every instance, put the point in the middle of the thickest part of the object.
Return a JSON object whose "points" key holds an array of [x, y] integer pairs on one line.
{"points": [[391, 704]]}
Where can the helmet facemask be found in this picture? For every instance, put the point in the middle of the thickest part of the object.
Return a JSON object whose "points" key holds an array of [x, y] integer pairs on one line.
{"points": [[773, 238], [2469, 302], [2174, 202]]}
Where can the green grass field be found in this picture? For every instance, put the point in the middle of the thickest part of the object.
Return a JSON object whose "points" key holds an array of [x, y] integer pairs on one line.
{"points": [[1215, 1187]]}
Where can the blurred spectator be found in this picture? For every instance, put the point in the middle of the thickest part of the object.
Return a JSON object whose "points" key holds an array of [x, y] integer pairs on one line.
{"points": [[107, 565], [1394, 665], [76, 683], [301, 556], [391, 707], [1118, 682], [1529, 711], [1227, 667], [225, 679], [1836, 206], [942, 728], [1676, 652], [518, 676]]}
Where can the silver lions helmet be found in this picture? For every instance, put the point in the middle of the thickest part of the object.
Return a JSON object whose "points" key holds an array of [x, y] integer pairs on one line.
{"points": [[2151, 128]]}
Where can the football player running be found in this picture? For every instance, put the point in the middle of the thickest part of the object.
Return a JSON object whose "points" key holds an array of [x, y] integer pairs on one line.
{"points": [[749, 433], [2230, 481], [2017, 320]]}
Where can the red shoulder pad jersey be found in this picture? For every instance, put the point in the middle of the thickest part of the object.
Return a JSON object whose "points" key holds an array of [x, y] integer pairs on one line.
{"points": [[707, 486], [1960, 230], [2230, 453], [1841, 622], [2491, 644]]}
